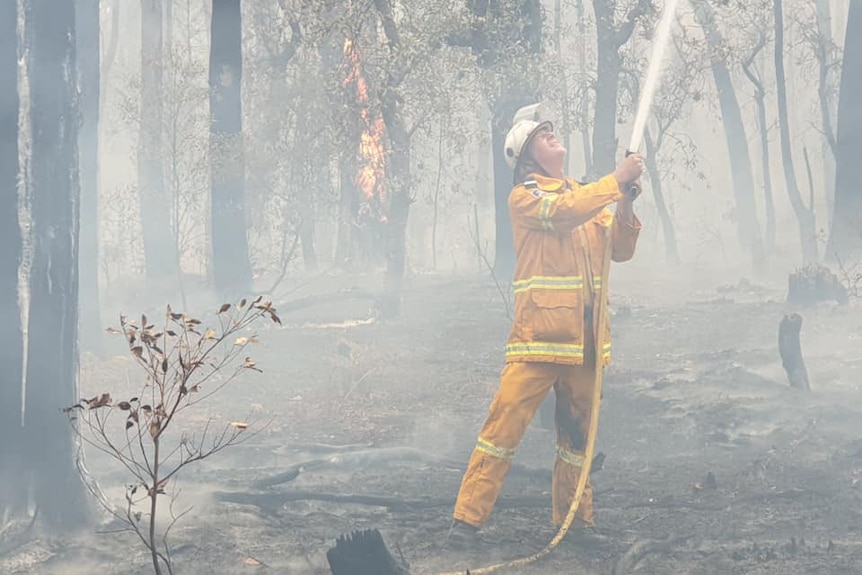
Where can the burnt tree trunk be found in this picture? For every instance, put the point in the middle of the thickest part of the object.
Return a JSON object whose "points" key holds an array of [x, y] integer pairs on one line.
{"points": [[522, 21], [88, 52], [399, 206], [159, 246], [805, 215], [671, 250], [763, 130], [845, 240], [230, 258], [504, 243], [501, 35], [12, 489], [52, 358], [608, 65], [748, 230], [610, 37], [790, 349]]}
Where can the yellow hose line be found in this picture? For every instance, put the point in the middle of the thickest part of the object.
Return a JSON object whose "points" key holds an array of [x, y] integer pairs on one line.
{"points": [[591, 433]]}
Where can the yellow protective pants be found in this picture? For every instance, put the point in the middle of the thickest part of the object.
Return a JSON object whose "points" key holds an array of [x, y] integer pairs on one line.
{"points": [[523, 387]]}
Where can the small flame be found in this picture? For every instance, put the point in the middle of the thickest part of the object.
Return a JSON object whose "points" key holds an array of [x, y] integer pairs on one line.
{"points": [[372, 171]]}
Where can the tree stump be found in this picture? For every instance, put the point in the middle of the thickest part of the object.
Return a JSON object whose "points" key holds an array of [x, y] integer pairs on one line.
{"points": [[790, 349]]}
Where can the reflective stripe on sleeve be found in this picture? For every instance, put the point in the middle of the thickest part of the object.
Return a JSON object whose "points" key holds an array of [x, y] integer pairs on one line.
{"points": [[545, 209]]}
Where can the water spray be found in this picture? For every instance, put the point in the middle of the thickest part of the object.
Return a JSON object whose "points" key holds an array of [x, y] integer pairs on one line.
{"points": [[650, 81]]}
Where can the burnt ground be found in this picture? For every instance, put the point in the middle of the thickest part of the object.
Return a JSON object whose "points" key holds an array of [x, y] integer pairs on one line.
{"points": [[696, 387]]}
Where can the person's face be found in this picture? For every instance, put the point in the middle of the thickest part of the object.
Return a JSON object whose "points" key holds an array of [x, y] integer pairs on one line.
{"points": [[546, 149]]}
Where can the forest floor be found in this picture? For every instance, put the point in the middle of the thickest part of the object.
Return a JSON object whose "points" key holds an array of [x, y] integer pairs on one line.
{"points": [[696, 387]]}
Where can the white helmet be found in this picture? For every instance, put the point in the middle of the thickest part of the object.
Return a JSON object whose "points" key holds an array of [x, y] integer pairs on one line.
{"points": [[518, 138]]}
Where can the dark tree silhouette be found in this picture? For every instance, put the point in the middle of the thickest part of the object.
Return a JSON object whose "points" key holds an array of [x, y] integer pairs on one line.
{"points": [[52, 356], [230, 260], [11, 343], [87, 25], [845, 241]]}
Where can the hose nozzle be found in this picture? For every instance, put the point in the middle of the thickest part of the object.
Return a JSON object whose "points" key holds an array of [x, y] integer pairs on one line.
{"points": [[632, 190]]}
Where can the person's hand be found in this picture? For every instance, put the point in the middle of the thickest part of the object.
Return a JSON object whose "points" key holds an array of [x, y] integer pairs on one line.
{"points": [[629, 170]]}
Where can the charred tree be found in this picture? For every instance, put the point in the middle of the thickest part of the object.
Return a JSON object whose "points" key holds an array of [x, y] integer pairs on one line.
{"points": [[52, 358], [804, 214], [502, 36], [159, 245], [748, 230], [760, 100], [398, 168], [12, 489], [230, 261], [671, 249], [88, 52], [363, 553], [845, 240], [790, 350], [610, 38]]}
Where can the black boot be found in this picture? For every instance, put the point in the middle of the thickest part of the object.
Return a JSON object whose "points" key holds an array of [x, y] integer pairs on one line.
{"points": [[462, 535]]}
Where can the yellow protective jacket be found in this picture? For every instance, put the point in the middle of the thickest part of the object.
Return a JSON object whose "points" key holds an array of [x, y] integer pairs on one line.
{"points": [[560, 227]]}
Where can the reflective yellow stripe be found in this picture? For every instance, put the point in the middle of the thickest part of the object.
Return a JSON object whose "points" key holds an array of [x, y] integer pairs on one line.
{"points": [[545, 210], [570, 457], [597, 283], [549, 282], [490, 449], [542, 348], [606, 350]]}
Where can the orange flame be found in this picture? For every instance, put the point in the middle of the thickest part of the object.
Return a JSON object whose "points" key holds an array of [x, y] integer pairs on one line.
{"points": [[372, 171]]}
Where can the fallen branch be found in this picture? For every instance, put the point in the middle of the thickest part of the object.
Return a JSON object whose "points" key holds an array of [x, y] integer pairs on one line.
{"points": [[389, 455], [274, 500], [312, 300], [641, 548]]}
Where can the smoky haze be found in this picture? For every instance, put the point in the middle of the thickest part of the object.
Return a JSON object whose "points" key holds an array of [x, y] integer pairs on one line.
{"points": [[345, 162]]}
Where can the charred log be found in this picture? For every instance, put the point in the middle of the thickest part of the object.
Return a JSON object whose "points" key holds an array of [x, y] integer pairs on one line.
{"points": [[813, 284], [363, 553], [790, 349]]}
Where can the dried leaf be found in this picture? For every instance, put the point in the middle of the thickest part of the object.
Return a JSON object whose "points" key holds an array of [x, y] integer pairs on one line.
{"points": [[124, 405], [154, 428], [113, 331], [138, 351], [165, 365], [239, 424], [129, 423], [224, 307], [252, 561], [171, 333], [241, 341], [242, 303], [210, 334], [250, 364]]}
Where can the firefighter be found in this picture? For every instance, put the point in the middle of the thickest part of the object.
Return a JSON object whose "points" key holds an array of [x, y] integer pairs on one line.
{"points": [[559, 228]]}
